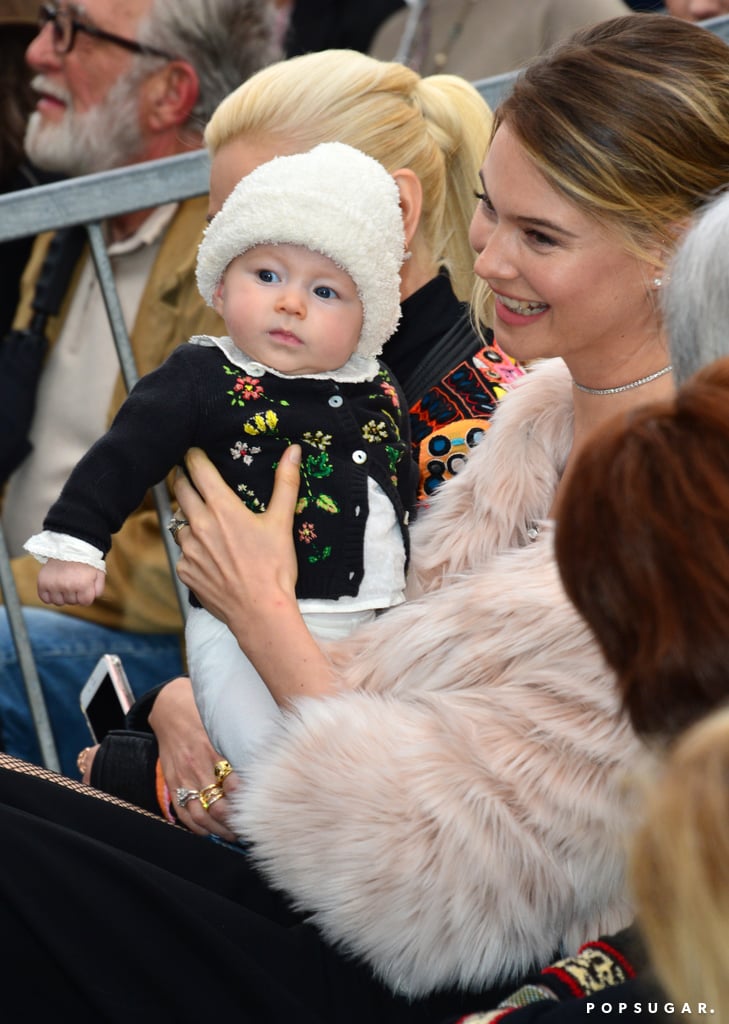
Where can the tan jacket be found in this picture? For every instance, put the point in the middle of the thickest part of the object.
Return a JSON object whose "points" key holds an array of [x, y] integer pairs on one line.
{"points": [[489, 37], [139, 593]]}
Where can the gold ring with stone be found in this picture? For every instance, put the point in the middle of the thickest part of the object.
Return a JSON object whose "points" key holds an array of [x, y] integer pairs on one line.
{"points": [[222, 770]]}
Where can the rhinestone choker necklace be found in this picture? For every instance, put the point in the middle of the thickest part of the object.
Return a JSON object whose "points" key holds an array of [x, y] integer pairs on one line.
{"points": [[624, 387]]}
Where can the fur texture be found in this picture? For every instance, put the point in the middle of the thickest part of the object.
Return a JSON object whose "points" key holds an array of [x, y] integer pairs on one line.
{"points": [[334, 200], [458, 814]]}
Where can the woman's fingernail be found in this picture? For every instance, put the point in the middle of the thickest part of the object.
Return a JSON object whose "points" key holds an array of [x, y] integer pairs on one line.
{"points": [[295, 454]]}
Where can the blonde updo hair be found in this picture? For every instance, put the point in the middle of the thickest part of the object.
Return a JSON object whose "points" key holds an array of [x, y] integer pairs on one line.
{"points": [[438, 127], [629, 119]]}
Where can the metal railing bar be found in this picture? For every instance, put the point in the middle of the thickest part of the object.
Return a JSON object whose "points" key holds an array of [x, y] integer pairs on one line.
{"points": [[33, 689], [94, 197], [130, 374]]}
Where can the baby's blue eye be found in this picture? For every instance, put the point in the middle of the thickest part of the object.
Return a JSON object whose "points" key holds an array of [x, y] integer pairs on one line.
{"points": [[269, 276], [325, 292]]}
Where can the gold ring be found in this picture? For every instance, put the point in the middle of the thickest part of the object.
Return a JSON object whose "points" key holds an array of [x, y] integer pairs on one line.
{"points": [[215, 797], [209, 795], [222, 770]]}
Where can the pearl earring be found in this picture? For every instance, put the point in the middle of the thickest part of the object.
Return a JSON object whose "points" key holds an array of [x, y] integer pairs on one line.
{"points": [[657, 282]]}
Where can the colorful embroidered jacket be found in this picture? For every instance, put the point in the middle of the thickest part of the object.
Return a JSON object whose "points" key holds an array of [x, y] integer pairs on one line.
{"points": [[594, 971], [348, 433]]}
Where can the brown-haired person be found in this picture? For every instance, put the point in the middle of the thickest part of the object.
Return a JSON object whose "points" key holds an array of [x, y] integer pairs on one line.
{"points": [[656, 600], [655, 589], [443, 806]]}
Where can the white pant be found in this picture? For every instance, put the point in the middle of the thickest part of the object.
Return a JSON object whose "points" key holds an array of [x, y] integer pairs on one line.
{"points": [[235, 704]]}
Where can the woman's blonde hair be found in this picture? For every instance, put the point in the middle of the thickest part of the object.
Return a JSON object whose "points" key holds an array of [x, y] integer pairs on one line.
{"points": [[438, 127], [629, 119], [680, 868]]}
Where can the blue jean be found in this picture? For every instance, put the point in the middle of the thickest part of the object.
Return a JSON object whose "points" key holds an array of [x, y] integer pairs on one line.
{"points": [[66, 650]]}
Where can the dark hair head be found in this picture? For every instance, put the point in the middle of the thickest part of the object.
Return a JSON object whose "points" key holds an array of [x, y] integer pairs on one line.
{"points": [[642, 544]]}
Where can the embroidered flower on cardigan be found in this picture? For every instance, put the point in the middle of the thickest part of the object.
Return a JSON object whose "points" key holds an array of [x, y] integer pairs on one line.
{"points": [[391, 393], [253, 503], [307, 533], [374, 431], [262, 423], [317, 439], [245, 451], [245, 389]]}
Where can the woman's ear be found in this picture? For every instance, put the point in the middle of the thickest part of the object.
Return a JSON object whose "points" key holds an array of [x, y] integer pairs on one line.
{"points": [[411, 200], [665, 248], [170, 95]]}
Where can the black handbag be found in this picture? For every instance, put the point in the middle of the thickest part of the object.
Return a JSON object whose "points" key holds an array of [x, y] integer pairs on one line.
{"points": [[22, 352]]}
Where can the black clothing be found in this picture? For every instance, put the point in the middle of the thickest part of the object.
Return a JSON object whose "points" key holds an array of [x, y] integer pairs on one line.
{"points": [[348, 432], [115, 916], [335, 25], [14, 253]]}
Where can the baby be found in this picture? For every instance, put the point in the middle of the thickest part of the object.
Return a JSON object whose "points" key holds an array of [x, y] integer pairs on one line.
{"points": [[302, 262]]}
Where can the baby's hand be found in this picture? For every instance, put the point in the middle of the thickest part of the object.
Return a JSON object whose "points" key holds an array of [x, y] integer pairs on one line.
{"points": [[62, 582]]}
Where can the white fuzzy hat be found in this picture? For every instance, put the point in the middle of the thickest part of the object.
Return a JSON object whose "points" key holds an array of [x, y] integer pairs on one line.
{"points": [[333, 200]]}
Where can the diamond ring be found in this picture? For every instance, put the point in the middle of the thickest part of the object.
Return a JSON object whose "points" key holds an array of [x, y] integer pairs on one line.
{"points": [[184, 796], [175, 525]]}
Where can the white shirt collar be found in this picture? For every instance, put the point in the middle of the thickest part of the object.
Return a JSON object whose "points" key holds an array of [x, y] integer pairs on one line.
{"points": [[358, 368]]}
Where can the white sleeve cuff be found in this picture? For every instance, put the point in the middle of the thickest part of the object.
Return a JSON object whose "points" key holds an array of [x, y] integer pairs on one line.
{"points": [[48, 544]]}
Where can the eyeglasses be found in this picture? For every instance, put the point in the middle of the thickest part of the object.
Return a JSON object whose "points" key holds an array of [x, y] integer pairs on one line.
{"points": [[65, 24]]}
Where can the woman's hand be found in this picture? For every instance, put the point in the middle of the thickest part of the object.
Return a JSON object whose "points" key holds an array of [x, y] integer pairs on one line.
{"points": [[242, 567], [187, 757], [225, 536], [84, 762]]}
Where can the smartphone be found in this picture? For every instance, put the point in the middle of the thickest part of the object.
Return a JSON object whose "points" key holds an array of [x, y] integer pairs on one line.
{"points": [[106, 697]]}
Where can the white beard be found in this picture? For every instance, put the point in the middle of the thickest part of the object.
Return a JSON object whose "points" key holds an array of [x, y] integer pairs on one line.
{"points": [[81, 143]]}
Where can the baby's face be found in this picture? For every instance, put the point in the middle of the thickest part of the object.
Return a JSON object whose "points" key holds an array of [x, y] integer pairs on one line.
{"points": [[290, 308]]}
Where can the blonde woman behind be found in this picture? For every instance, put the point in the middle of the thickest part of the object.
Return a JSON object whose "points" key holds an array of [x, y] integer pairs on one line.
{"points": [[680, 869]]}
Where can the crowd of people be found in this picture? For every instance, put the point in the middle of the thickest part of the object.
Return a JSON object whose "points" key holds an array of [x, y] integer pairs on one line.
{"points": [[503, 796]]}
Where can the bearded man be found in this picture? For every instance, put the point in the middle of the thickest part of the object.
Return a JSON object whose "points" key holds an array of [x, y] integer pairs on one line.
{"points": [[119, 82]]}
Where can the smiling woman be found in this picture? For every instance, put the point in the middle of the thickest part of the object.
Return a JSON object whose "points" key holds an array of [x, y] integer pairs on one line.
{"points": [[563, 283], [511, 748]]}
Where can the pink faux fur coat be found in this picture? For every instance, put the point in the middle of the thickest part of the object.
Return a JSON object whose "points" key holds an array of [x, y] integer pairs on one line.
{"points": [[459, 812]]}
